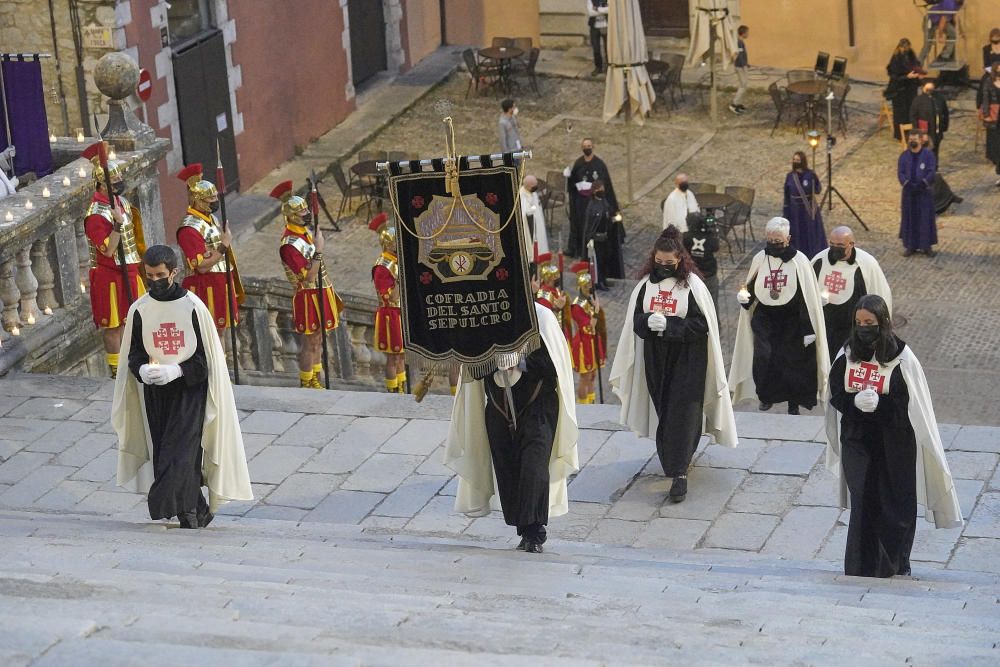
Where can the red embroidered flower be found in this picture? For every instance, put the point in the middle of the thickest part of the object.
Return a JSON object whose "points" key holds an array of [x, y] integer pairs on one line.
{"points": [[502, 274], [426, 278], [491, 199], [417, 202]]}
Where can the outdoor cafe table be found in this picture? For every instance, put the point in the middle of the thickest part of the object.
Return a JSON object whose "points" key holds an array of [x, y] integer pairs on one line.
{"points": [[503, 57]]}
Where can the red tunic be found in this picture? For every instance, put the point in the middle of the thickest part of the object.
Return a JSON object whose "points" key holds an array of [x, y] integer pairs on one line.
{"points": [[305, 303], [546, 296], [388, 322], [587, 346], [210, 287], [108, 301]]}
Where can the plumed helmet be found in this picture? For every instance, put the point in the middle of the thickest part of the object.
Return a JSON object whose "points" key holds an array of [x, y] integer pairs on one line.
{"points": [[198, 187], [583, 277], [292, 206], [547, 269], [386, 232], [94, 153]]}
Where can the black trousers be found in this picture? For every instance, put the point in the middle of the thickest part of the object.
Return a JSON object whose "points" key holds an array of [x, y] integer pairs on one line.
{"points": [[880, 471], [521, 461], [599, 42]]}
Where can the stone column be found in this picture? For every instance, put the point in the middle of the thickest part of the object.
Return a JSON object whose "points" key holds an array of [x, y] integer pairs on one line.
{"points": [[9, 296], [27, 284], [41, 265]]}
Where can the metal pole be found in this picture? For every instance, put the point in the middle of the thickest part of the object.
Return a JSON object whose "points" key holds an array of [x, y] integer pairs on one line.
{"points": [[519, 155], [320, 278], [628, 135], [220, 185], [6, 114]]}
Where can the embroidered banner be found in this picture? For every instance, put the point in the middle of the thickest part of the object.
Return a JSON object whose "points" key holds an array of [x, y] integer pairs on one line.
{"points": [[465, 291]]}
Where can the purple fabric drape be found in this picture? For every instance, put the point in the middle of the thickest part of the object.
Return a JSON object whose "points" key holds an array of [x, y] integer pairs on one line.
{"points": [[22, 79]]}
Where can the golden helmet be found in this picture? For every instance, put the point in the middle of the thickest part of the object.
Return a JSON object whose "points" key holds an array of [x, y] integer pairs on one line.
{"points": [[386, 232], [548, 271], [94, 152], [583, 277], [292, 206], [198, 188]]}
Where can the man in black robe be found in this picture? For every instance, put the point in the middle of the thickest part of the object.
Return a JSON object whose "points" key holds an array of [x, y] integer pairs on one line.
{"points": [[607, 236], [579, 183]]}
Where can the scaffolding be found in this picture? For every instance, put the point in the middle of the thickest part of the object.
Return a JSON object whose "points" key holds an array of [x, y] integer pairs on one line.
{"points": [[940, 40]]}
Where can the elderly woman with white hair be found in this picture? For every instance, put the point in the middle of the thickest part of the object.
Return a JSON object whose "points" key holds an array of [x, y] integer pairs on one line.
{"points": [[781, 353]]}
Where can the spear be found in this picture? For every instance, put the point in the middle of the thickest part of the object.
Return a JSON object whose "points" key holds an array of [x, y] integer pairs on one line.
{"points": [[220, 185], [320, 278], [99, 150]]}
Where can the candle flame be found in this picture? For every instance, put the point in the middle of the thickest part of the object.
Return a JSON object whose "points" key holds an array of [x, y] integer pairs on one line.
{"points": [[31, 318], [15, 332], [46, 193], [47, 311], [83, 288], [52, 138], [28, 205], [9, 217], [65, 180], [82, 172], [79, 137]]}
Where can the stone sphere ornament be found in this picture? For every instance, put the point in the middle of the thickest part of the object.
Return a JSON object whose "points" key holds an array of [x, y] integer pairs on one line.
{"points": [[116, 75]]}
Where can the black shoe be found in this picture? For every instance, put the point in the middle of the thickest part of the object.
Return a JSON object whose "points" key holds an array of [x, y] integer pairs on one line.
{"points": [[601, 287], [793, 409], [205, 519], [188, 520], [735, 109], [742, 108], [908, 252], [678, 490], [764, 407], [533, 547], [597, 72], [955, 199], [930, 252], [522, 545]]}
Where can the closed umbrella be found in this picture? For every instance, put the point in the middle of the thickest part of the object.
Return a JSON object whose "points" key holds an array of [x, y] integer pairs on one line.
{"points": [[627, 83], [712, 30]]}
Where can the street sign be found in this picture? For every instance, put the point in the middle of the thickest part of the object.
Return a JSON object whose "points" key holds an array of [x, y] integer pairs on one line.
{"points": [[145, 87]]}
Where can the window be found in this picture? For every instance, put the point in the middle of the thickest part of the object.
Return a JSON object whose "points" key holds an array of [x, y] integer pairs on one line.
{"points": [[188, 18]]}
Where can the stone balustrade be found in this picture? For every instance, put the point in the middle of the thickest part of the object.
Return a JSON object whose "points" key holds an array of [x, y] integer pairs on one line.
{"points": [[45, 321]]}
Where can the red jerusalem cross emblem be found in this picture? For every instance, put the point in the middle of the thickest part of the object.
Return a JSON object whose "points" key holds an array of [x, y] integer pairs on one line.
{"points": [[835, 282], [168, 339], [866, 376], [663, 302], [776, 280]]}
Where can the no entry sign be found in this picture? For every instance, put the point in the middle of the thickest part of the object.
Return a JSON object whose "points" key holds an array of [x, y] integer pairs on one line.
{"points": [[145, 87]]}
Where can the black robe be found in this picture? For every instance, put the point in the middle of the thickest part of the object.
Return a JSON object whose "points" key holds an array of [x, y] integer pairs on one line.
{"points": [[879, 457], [590, 172], [675, 365], [521, 456], [175, 413], [901, 89], [783, 369], [839, 318], [607, 237]]}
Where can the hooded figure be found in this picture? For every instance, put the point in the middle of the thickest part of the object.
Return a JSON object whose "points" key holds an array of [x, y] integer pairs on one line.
{"points": [[781, 352], [173, 408], [883, 443], [522, 459], [668, 370]]}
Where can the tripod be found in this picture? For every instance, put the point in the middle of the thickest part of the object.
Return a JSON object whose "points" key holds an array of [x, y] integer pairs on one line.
{"points": [[831, 141]]}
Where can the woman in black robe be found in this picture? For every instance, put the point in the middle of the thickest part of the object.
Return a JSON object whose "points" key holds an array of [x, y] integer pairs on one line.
{"points": [[904, 81], [878, 445], [607, 235], [675, 349]]}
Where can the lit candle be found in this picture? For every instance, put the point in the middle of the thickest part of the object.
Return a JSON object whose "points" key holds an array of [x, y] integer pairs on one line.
{"points": [[79, 136], [15, 331], [31, 318], [28, 205], [83, 288], [9, 217], [112, 155], [66, 181], [52, 138], [47, 311], [82, 172], [46, 193]]}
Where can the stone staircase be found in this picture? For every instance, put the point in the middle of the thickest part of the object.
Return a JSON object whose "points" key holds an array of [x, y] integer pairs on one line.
{"points": [[79, 590]]}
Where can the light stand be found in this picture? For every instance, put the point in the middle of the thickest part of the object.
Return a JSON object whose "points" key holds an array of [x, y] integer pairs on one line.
{"points": [[813, 143], [831, 141]]}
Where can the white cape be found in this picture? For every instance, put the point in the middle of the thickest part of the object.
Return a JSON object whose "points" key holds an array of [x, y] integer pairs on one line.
{"points": [[875, 282], [741, 373], [935, 487], [224, 463], [628, 375], [530, 204], [468, 449]]}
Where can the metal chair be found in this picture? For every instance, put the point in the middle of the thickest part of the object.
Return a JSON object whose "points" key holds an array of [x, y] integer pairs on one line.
{"points": [[504, 42], [523, 43], [781, 103], [479, 73], [742, 210], [377, 156], [398, 156], [675, 62], [801, 75], [348, 191], [839, 103], [700, 188], [527, 67], [557, 194]]}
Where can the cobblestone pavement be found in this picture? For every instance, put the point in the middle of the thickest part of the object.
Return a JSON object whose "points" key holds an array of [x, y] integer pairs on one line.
{"points": [[956, 334], [375, 461]]}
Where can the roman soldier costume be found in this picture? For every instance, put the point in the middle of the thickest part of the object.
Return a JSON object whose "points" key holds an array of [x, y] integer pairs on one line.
{"points": [[388, 320], [548, 293], [109, 301], [298, 254], [200, 233], [590, 340]]}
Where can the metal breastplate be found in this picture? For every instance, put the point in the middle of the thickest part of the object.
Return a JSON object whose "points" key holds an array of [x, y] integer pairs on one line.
{"points": [[210, 234], [308, 251], [128, 242], [393, 269]]}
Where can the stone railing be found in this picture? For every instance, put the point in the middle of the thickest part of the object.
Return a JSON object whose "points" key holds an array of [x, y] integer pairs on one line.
{"points": [[269, 345], [44, 262]]}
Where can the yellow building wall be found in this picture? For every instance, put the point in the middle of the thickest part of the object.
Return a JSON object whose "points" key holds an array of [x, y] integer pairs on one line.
{"points": [[788, 33], [423, 26], [477, 22]]}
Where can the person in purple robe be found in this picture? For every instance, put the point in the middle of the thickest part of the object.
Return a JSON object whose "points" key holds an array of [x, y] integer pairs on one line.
{"points": [[802, 207], [916, 170]]}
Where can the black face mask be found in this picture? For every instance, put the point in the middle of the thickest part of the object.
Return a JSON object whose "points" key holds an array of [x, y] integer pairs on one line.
{"points": [[306, 220], [914, 144], [836, 254], [774, 249], [532, 189], [868, 334], [588, 151], [796, 165], [661, 272], [158, 288], [683, 187], [118, 188], [213, 206]]}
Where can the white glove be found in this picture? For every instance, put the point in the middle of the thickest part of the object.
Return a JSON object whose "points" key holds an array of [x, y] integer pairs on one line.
{"points": [[164, 373], [824, 298], [657, 322], [144, 373], [866, 400], [743, 297], [514, 374], [808, 340], [567, 171]]}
